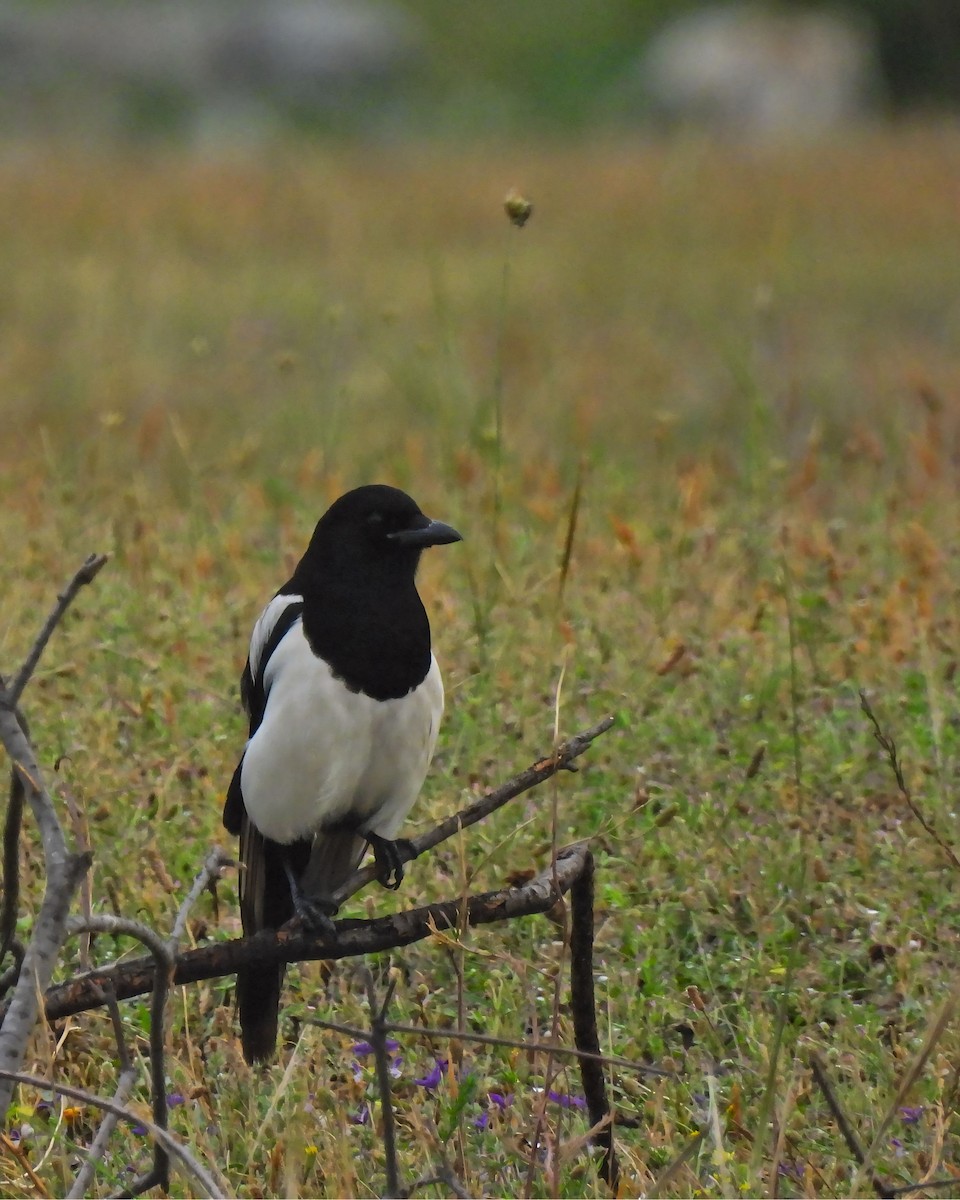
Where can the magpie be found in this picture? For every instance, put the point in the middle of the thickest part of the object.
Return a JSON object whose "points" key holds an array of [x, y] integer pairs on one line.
{"points": [[344, 698]]}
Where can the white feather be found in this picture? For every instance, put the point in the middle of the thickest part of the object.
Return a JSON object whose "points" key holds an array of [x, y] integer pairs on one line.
{"points": [[266, 623], [323, 753]]}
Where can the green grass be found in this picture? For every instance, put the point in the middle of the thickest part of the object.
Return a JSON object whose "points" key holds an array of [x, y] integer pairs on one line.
{"points": [[753, 362]]}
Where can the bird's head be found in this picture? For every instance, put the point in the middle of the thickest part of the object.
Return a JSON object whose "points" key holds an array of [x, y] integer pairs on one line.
{"points": [[375, 528]]}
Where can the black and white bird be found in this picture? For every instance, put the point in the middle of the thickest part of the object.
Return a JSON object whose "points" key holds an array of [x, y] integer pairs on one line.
{"points": [[344, 698]]}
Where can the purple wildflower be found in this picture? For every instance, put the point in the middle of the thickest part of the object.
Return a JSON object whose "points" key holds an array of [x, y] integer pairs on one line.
{"points": [[898, 1149], [481, 1121], [361, 1049], [174, 1099], [911, 1114], [138, 1129], [432, 1078], [499, 1100], [566, 1101], [790, 1170], [362, 1115]]}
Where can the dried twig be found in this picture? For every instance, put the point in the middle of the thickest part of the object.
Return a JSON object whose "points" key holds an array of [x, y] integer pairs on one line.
{"points": [[211, 1187], [164, 957], [486, 1039], [935, 1032], [847, 1131], [583, 1008], [64, 870], [125, 1082], [215, 861], [86, 574], [889, 747], [11, 862], [378, 1040]]}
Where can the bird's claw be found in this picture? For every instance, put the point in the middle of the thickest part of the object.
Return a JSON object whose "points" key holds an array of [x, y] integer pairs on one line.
{"points": [[315, 915], [390, 856]]}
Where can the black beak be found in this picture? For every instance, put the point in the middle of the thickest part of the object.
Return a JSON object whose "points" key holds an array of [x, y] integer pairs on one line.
{"points": [[429, 533]]}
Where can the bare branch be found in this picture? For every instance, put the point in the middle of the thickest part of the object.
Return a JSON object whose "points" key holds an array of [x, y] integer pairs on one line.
{"points": [[86, 574], [164, 955], [216, 860], [583, 1007], [211, 1187], [378, 1040], [538, 773], [11, 862], [98, 1148], [486, 1039], [354, 937]]}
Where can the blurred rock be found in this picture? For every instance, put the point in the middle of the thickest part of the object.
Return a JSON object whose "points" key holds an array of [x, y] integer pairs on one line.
{"points": [[762, 73], [182, 63]]}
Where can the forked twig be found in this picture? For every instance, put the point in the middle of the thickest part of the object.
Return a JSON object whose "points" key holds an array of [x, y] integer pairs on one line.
{"points": [[211, 1187], [378, 1040], [63, 868], [164, 957]]}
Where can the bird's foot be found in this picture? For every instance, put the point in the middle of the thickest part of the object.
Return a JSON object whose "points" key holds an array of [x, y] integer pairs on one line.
{"points": [[390, 856], [315, 915]]}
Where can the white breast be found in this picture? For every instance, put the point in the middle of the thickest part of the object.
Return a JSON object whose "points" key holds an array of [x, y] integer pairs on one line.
{"points": [[323, 753]]}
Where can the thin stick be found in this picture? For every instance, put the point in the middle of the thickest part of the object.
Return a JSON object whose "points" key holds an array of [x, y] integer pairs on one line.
{"points": [[173, 1147], [378, 1040], [164, 954], [98, 1148], [63, 872], [486, 1039], [934, 1033], [11, 862], [583, 1008], [216, 860], [889, 747], [86, 574], [847, 1131]]}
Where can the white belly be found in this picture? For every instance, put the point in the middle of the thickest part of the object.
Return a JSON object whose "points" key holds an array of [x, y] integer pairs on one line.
{"points": [[324, 754]]}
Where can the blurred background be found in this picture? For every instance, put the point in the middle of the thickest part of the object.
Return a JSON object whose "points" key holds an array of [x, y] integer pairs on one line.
{"points": [[236, 70]]}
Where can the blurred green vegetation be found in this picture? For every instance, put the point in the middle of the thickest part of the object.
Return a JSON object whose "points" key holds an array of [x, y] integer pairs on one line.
{"points": [[557, 66]]}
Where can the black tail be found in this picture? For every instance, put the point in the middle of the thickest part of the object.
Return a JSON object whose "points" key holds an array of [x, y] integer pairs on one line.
{"points": [[264, 904], [258, 1002]]}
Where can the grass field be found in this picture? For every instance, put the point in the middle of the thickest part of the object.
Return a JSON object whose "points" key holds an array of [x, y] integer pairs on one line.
{"points": [[751, 364]]}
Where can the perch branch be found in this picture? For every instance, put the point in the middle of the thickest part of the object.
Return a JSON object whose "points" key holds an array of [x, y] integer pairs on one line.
{"points": [[354, 937]]}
